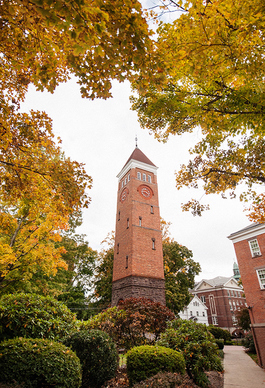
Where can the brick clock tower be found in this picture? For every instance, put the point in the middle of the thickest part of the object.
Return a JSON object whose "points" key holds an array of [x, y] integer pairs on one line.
{"points": [[138, 257]]}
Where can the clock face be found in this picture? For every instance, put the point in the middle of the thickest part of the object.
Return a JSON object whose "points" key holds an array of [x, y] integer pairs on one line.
{"points": [[145, 191], [124, 194]]}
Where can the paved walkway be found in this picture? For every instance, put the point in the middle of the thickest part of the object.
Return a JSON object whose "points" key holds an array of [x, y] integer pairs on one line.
{"points": [[240, 370]]}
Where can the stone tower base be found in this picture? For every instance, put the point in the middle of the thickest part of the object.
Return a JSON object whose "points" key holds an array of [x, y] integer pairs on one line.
{"points": [[138, 287]]}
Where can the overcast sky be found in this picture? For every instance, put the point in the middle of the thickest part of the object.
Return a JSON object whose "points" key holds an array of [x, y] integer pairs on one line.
{"points": [[101, 134]]}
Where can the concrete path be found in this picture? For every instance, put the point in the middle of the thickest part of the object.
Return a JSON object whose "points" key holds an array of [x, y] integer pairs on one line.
{"points": [[240, 370]]}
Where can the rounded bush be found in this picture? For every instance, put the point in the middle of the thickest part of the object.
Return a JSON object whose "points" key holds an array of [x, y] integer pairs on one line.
{"points": [[39, 363], [98, 356], [197, 345], [34, 316], [219, 343], [219, 333], [146, 361]]}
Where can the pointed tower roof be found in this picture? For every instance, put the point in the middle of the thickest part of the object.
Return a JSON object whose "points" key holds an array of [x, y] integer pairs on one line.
{"points": [[137, 159], [139, 156]]}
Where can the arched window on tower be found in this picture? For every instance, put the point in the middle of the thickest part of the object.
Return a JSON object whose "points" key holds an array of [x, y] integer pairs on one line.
{"points": [[127, 260], [140, 221], [128, 223], [153, 243], [118, 248]]}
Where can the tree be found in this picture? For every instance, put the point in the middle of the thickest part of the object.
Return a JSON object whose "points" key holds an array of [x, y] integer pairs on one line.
{"points": [[207, 70], [180, 270], [40, 190], [103, 276], [129, 322], [243, 319], [43, 43]]}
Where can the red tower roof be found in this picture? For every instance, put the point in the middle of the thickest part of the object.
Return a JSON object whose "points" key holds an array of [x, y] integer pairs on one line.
{"points": [[140, 157]]}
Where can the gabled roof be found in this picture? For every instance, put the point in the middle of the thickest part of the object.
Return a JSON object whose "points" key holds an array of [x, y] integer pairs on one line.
{"points": [[219, 281], [140, 157]]}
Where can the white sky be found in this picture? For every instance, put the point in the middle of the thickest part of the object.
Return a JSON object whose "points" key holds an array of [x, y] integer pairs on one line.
{"points": [[101, 134]]}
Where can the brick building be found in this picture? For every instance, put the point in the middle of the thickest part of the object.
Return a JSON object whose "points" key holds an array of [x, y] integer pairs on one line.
{"points": [[223, 296], [138, 257], [249, 244]]}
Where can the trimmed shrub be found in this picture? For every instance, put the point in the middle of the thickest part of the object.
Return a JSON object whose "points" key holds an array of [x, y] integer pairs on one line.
{"points": [[197, 345], [98, 356], [167, 380], [146, 361], [219, 333], [39, 363], [34, 316]]}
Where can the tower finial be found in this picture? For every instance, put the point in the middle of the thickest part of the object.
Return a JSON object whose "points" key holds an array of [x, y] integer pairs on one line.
{"points": [[136, 141]]}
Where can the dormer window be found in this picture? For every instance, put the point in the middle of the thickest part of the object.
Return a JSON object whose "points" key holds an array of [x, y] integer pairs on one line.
{"points": [[254, 247]]}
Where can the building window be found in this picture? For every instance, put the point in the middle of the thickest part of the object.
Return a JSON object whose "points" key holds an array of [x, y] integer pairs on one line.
{"points": [[118, 248], [149, 179], [261, 277], [119, 216], [215, 320], [140, 221], [191, 313], [129, 177], [232, 293], [228, 292], [203, 314], [127, 259], [128, 223], [144, 177], [153, 243], [230, 305], [138, 175], [254, 247], [203, 299], [125, 181], [197, 313], [152, 209], [122, 184]]}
